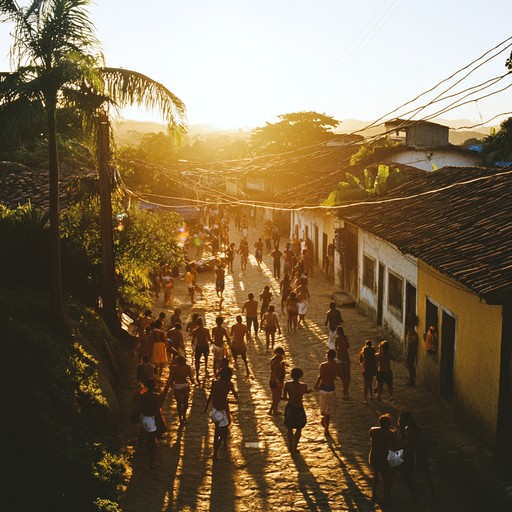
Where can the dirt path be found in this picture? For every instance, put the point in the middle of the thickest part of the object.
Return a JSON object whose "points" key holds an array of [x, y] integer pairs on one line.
{"points": [[257, 472]]}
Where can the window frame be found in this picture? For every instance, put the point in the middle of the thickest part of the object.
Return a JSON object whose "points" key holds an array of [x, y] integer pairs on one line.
{"points": [[395, 309]]}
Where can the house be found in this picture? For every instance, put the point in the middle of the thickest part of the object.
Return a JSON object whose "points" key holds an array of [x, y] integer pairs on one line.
{"points": [[424, 145], [308, 220], [440, 247]]}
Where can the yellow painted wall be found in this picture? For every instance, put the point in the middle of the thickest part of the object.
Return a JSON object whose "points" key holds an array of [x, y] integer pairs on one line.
{"points": [[477, 348]]}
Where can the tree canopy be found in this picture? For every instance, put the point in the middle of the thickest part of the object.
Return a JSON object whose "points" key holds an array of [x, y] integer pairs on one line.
{"points": [[294, 131], [497, 147]]}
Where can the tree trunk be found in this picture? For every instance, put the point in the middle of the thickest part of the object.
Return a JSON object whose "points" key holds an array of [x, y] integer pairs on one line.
{"points": [[56, 299]]}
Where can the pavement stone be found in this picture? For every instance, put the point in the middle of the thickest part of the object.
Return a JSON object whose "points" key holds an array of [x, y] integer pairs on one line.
{"points": [[257, 472]]}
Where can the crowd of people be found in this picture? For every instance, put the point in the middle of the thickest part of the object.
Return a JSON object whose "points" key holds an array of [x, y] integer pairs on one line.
{"points": [[161, 344]]}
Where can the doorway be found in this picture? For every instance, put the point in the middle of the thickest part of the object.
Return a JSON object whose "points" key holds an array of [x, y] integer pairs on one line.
{"points": [[410, 306], [448, 330]]}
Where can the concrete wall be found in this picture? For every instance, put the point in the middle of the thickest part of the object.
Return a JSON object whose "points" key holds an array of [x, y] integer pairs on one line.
{"points": [[326, 222], [425, 158], [393, 260], [427, 135], [477, 349]]}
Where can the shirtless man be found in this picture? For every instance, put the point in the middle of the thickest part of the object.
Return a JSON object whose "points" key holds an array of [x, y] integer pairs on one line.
{"points": [[251, 314], [200, 339], [276, 256], [219, 350], [382, 439], [266, 298], [175, 338], [329, 370], [220, 274], [258, 246], [220, 415], [294, 414], [239, 331], [342, 345], [179, 377]]}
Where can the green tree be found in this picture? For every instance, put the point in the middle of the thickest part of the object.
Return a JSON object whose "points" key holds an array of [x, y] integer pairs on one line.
{"points": [[294, 131], [59, 62], [497, 147], [143, 240]]}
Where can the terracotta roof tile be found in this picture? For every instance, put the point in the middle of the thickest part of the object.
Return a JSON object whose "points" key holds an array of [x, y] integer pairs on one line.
{"points": [[463, 227]]}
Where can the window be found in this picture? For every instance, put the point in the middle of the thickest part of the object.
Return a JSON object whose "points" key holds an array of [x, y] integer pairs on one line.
{"points": [[395, 294], [369, 272]]}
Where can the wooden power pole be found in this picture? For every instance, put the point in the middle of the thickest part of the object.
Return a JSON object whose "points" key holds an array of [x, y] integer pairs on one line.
{"points": [[107, 244]]}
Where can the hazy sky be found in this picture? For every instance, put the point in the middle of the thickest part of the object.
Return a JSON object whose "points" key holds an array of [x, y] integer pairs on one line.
{"points": [[242, 62]]}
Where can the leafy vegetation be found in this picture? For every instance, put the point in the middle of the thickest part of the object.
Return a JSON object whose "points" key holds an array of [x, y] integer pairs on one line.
{"points": [[294, 131], [497, 147], [368, 153], [143, 240], [58, 457], [356, 189], [59, 63]]}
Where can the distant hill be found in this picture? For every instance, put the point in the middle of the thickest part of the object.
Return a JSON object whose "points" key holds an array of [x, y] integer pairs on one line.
{"points": [[130, 131]]}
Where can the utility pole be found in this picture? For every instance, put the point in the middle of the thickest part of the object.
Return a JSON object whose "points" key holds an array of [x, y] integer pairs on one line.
{"points": [[107, 244]]}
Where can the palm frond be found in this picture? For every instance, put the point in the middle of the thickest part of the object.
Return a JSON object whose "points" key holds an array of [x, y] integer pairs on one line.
{"points": [[126, 87]]}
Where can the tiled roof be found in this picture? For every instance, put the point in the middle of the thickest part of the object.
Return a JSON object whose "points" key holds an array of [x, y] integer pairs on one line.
{"points": [[20, 184], [456, 219]]}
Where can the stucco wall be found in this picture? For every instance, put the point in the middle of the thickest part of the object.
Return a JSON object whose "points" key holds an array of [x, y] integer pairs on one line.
{"points": [[424, 159], [477, 348], [324, 221], [393, 260]]}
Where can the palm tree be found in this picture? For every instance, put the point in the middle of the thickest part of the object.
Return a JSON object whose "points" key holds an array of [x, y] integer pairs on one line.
{"points": [[58, 63]]}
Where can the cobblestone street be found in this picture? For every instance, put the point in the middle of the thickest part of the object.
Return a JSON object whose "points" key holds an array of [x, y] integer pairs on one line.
{"points": [[257, 471]]}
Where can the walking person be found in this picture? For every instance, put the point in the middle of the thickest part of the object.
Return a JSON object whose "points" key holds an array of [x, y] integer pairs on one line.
{"points": [[415, 452], [239, 332], [384, 373], [265, 297], [332, 320], [230, 255], [220, 275], [258, 246], [220, 352], [169, 286], [325, 383], [243, 250], [285, 288], [189, 282], [251, 314], [303, 297], [382, 439], [294, 415], [270, 325], [179, 380], [149, 404], [368, 361], [276, 258], [292, 309], [277, 374], [411, 353], [341, 346], [200, 343], [220, 413]]}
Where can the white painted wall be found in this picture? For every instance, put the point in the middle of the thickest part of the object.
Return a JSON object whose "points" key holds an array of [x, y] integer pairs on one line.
{"points": [[424, 158], [403, 266]]}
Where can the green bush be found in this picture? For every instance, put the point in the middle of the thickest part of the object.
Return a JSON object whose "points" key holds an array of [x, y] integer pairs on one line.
{"points": [[56, 461]]}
